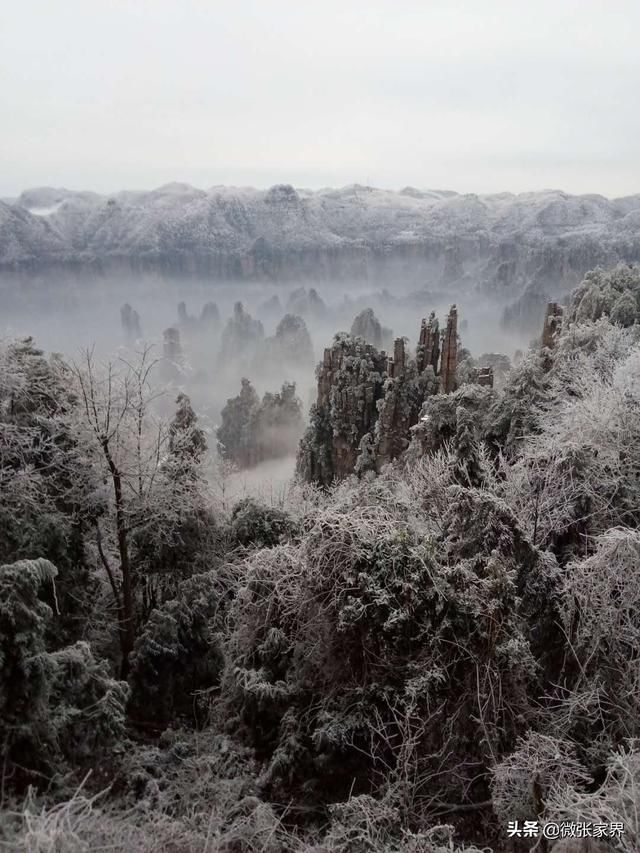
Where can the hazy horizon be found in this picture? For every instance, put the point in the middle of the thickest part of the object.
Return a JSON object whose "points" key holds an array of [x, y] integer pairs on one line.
{"points": [[476, 98], [313, 189]]}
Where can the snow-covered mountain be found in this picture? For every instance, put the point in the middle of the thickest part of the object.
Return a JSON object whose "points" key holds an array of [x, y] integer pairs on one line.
{"points": [[511, 246]]}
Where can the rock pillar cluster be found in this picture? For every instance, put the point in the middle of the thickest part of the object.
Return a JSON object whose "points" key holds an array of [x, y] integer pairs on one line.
{"points": [[449, 353], [171, 347], [552, 323], [428, 351], [369, 402]]}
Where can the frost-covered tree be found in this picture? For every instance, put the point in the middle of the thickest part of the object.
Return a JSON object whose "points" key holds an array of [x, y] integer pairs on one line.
{"points": [[468, 465], [167, 550], [187, 441], [178, 652], [53, 705], [614, 292], [577, 475], [516, 412], [126, 442], [40, 462], [438, 422], [368, 644], [625, 310], [256, 525], [598, 704]]}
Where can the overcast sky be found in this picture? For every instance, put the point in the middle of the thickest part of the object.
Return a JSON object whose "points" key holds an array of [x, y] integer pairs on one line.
{"points": [[475, 96]]}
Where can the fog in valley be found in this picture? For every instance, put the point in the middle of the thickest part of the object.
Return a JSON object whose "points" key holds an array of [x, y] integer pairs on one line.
{"points": [[75, 313]]}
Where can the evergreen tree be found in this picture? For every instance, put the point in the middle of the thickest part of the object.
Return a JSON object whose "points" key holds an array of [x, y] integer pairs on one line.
{"points": [[187, 442], [52, 705], [625, 310], [516, 413], [468, 467], [178, 652]]}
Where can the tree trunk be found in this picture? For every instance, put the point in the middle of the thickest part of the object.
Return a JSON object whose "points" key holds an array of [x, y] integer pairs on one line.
{"points": [[126, 613]]}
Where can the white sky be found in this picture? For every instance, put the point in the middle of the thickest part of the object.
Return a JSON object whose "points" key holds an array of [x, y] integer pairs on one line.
{"points": [[475, 95]]}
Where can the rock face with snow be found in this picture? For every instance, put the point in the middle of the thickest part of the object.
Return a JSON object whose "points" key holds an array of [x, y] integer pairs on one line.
{"points": [[368, 402], [511, 246]]}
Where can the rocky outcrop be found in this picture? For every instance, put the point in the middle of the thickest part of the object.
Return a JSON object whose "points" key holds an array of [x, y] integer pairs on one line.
{"points": [[551, 325], [483, 376], [350, 382], [130, 320], [171, 347], [405, 389], [207, 322], [428, 352], [367, 402], [252, 431], [449, 352], [366, 325], [241, 337], [173, 362], [306, 303], [290, 346]]}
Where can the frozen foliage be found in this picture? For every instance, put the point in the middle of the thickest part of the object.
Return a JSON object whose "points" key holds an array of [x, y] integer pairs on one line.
{"points": [[54, 706], [328, 661], [522, 783], [614, 293], [615, 801], [254, 524], [177, 653], [399, 662]]}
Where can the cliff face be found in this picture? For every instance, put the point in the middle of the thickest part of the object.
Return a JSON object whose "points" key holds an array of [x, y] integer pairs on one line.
{"points": [[518, 248], [367, 402]]}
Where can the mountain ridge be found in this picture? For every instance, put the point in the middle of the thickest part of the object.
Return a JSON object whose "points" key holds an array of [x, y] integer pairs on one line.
{"points": [[522, 246]]}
